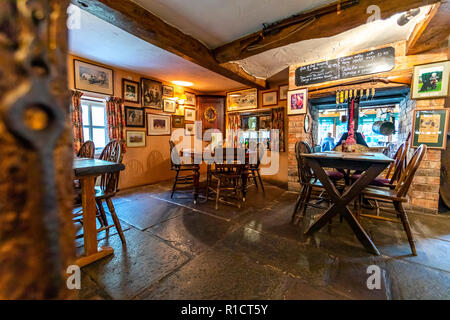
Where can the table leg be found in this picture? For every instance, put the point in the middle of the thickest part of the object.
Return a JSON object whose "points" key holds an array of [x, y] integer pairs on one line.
{"points": [[340, 202], [244, 182], [91, 251], [196, 181]]}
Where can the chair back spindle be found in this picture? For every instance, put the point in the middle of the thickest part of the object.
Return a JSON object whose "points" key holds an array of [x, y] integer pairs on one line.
{"points": [[87, 150], [408, 174], [305, 173], [109, 182]]}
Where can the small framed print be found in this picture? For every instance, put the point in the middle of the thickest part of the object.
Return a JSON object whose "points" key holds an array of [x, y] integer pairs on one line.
{"points": [[189, 129], [430, 127], [282, 92], [270, 98], [431, 80], [297, 102], [93, 78], [130, 91], [190, 99], [151, 91], [177, 122], [158, 124], [169, 105], [134, 117], [189, 114], [307, 123], [135, 139], [167, 91]]}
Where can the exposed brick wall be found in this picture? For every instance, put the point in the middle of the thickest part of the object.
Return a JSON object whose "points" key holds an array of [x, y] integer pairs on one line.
{"points": [[296, 132], [424, 191]]}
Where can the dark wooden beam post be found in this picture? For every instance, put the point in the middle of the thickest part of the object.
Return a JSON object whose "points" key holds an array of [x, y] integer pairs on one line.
{"points": [[36, 230], [141, 23]]}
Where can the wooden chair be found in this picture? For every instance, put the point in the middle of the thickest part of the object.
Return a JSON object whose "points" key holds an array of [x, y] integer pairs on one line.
{"points": [[107, 189], [178, 167], [87, 150], [253, 169], [398, 195], [393, 172], [306, 179], [229, 176]]}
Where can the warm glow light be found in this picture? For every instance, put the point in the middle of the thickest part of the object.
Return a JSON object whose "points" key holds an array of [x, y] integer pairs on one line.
{"points": [[183, 83]]}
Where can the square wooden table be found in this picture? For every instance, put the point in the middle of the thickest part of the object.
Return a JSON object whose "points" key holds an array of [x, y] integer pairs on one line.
{"points": [[86, 170], [371, 163]]}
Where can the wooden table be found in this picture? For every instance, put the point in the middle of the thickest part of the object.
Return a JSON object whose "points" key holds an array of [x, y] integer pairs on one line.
{"points": [[86, 170], [190, 153], [371, 163]]}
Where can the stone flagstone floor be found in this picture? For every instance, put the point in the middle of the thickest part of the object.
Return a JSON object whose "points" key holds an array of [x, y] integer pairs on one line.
{"points": [[178, 250]]}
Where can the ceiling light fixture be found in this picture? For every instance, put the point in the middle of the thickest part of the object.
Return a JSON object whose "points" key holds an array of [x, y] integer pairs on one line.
{"points": [[183, 83]]}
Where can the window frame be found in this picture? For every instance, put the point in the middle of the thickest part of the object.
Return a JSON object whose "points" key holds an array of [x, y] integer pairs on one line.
{"points": [[90, 102]]}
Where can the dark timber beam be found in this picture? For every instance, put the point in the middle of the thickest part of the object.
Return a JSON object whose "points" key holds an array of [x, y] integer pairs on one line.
{"points": [[435, 32], [141, 23], [319, 23]]}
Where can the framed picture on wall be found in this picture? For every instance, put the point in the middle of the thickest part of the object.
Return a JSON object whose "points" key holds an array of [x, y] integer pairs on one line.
{"points": [[431, 80], [178, 122], [135, 139], [430, 128], [242, 100], [93, 78], [168, 91], [151, 92], [130, 91], [190, 99], [297, 102], [282, 92], [270, 98], [158, 124], [189, 129], [134, 117], [169, 105], [189, 114]]}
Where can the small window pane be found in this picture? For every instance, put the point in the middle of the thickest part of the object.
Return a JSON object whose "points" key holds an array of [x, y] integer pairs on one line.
{"points": [[99, 137], [86, 134], [85, 114], [98, 116]]}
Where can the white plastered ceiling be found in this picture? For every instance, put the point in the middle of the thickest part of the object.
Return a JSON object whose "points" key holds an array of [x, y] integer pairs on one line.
{"points": [[104, 43], [271, 62]]}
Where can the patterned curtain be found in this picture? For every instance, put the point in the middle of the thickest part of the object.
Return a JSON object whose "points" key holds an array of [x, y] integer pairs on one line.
{"points": [[116, 120], [77, 121], [234, 124], [278, 123]]}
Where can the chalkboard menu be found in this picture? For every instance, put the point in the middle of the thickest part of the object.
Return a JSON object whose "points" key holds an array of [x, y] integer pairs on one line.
{"points": [[375, 61]]}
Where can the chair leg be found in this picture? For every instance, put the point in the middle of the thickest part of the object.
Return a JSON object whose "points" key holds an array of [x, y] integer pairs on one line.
{"points": [[405, 221], [218, 194], [175, 184], [254, 179], [260, 180], [307, 197], [100, 207], [298, 203], [112, 210]]}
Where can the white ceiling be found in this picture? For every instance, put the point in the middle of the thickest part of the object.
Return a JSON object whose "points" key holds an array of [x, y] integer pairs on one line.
{"points": [[100, 41], [217, 22], [377, 33]]}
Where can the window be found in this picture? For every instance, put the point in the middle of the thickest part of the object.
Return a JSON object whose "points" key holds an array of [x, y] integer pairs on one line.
{"points": [[95, 126], [256, 127]]}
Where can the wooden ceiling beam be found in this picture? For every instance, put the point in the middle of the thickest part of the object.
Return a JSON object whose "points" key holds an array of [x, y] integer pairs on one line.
{"points": [[141, 23], [434, 33], [318, 24]]}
